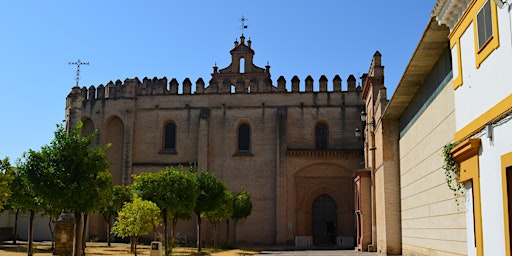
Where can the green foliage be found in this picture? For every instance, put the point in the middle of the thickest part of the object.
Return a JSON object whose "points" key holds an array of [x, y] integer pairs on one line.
{"points": [[6, 171], [184, 190], [25, 199], [120, 195], [242, 205], [211, 192], [173, 190], [137, 218], [223, 211], [72, 174], [451, 171]]}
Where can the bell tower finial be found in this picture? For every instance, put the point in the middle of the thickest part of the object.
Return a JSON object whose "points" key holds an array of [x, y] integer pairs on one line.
{"points": [[243, 20]]}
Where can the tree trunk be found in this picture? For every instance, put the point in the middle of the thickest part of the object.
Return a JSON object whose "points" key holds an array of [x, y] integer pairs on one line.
{"points": [[31, 233], [84, 233], [50, 220], [14, 239], [199, 244], [173, 229], [133, 244], [78, 234], [227, 232], [234, 233], [166, 244], [215, 231], [109, 228]]}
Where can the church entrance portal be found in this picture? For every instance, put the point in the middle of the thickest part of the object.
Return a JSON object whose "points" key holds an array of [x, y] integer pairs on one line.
{"points": [[324, 219]]}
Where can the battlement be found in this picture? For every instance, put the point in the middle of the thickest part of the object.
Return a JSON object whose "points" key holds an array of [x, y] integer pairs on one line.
{"points": [[133, 87]]}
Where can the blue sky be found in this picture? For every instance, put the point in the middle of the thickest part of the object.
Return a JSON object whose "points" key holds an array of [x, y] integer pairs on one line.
{"points": [[180, 39]]}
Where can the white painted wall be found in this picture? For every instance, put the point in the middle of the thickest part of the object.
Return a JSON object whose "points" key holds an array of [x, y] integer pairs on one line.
{"points": [[484, 87], [491, 189], [469, 219], [481, 90]]}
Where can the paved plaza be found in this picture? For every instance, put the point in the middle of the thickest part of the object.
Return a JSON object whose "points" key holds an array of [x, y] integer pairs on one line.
{"points": [[317, 253]]}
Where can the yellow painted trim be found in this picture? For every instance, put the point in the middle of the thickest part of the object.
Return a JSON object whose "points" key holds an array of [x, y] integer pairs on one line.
{"points": [[493, 113], [455, 41], [466, 155], [477, 208], [493, 43], [506, 161], [458, 80], [468, 18]]}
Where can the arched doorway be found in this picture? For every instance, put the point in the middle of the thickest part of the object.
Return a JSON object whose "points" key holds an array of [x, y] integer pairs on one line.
{"points": [[325, 221]]}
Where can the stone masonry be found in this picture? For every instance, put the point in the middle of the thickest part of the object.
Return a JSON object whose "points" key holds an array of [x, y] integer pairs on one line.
{"points": [[293, 150]]}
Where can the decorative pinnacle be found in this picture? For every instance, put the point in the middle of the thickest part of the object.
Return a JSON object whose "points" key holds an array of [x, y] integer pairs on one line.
{"points": [[78, 63]]}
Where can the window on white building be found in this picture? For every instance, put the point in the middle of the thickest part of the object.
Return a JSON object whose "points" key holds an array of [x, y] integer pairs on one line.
{"points": [[484, 24]]}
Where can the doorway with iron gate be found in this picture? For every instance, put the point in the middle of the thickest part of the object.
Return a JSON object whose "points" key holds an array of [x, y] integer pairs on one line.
{"points": [[324, 221]]}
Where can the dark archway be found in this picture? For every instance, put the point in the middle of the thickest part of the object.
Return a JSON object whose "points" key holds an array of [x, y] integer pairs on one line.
{"points": [[324, 221]]}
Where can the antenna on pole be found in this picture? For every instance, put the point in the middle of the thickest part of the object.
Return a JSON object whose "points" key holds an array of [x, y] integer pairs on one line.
{"points": [[243, 20], [78, 63]]}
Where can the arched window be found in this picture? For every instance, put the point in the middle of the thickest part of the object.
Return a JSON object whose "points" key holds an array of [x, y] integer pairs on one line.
{"points": [[242, 65], [321, 136], [170, 137], [244, 138]]}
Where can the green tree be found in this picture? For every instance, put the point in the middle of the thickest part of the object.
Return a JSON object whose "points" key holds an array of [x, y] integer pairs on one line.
{"points": [[222, 212], [120, 195], [173, 190], [136, 218], [211, 195], [74, 176], [242, 207], [5, 179], [26, 198], [104, 187]]}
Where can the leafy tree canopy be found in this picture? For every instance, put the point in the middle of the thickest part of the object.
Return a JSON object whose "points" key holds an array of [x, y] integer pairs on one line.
{"points": [[173, 190], [72, 174], [6, 171], [223, 211], [25, 198], [212, 192], [136, 218], [242, 205], [120, 195]]}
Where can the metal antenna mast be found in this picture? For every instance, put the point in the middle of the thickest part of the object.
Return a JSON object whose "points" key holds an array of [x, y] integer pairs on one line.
{"points": [[78, 63], [243, 20]]}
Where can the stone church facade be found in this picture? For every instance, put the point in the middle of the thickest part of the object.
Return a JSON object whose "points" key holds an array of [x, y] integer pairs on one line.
{"points": [[293, 148]]}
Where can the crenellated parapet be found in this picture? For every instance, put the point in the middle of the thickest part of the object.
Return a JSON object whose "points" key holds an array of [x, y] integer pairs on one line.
{"points": [[241, 76], [133, 87]]}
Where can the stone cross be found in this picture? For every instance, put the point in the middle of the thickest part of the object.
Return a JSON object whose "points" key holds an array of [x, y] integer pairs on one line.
{"points": [[78, 63]]}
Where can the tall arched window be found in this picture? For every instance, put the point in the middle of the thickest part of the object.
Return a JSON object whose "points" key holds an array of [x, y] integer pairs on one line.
{"points": [[321, 136], [244, 138], [242, 65], [170, 137]]}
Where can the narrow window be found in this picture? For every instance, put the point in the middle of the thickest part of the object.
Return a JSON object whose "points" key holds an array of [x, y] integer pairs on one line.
{"points": [[170, 137], [242, 65], [321, 136], [484, 24], [244, 137]]}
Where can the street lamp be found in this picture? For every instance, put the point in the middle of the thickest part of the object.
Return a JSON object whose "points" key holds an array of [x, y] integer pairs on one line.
{"points": [[358, 133], [363, 116]]}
